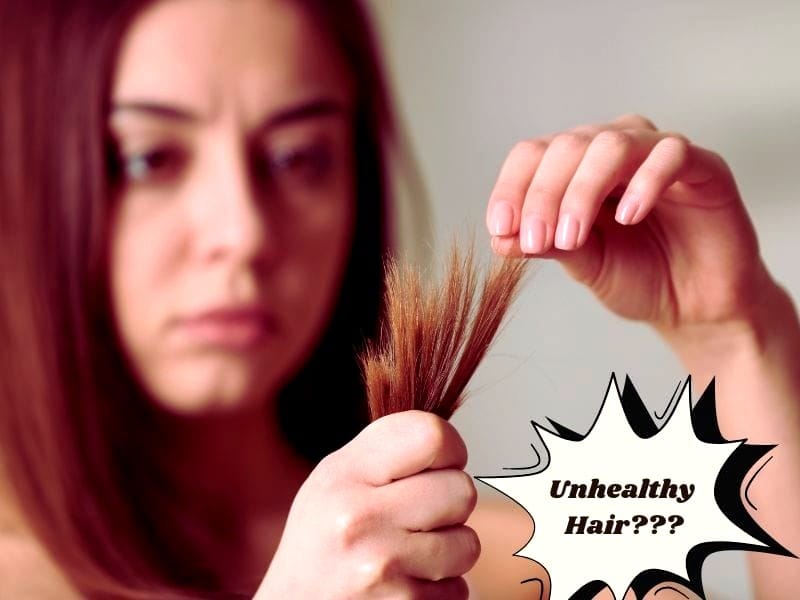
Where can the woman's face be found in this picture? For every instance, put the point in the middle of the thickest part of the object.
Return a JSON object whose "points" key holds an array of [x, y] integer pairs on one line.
{"points": [[235, 211]]}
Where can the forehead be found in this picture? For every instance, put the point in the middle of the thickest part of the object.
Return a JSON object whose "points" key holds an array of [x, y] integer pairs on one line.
{"points": [[214, 55]]}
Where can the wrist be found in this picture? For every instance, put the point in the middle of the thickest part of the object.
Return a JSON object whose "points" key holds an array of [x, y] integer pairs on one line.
{"points": [[752, 360], [767, 324]]}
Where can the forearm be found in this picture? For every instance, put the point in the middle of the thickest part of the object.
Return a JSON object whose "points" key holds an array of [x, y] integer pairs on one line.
{"points": [[756, 363]]}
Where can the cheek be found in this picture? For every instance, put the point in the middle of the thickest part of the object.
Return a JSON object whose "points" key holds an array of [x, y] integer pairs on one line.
{"points": [[145, 248], [138, 259], [313, 274]]}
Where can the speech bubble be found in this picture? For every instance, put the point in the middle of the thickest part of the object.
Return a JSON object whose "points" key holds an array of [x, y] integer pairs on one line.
{"points": [[632, 503]]}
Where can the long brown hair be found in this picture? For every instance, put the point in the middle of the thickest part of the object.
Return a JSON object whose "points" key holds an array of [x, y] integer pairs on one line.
{"points": [[78, 437], [434, 336]]}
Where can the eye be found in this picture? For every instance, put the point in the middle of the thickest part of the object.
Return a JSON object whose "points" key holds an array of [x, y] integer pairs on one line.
{"points": [[305, 165], [156, 165]]}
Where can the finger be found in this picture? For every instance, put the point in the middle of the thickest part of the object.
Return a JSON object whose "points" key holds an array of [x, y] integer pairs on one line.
{"points": [[703, 166], [441, 554], [665, 163], [584, 264], [403, 444], [708, 179], [452, 588], [542, 201], [503, 211], [430, 500], [633, 121], [610, 158], [626, 121]]}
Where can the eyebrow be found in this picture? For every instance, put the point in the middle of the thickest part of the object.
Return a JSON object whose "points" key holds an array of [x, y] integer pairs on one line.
{"points": [[319, 107]]}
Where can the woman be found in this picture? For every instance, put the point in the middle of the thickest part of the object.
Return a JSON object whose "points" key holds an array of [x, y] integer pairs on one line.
{"points": [[194, 192]]}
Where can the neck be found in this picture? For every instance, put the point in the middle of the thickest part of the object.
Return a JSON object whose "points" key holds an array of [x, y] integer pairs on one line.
{"points": [[237, 474]]}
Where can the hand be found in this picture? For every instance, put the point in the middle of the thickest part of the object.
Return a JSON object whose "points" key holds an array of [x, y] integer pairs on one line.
{"points": [[678, 250], [381, 518]]}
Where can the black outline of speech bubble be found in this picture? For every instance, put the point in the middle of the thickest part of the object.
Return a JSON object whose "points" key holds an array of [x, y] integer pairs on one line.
{"points": [[727, 487]]}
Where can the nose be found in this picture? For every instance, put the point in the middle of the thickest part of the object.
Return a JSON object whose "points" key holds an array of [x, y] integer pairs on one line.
{"points": [[231, 221]]}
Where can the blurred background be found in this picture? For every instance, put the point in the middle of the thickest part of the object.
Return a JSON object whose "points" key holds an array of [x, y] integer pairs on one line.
{"points": [[472, 77]]}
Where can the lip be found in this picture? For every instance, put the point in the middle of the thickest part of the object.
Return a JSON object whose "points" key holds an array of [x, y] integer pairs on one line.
{"points": [[232, 327]]}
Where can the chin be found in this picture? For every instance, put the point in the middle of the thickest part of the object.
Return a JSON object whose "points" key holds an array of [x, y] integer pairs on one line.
{"points": [[205, 392], [216, 382]]}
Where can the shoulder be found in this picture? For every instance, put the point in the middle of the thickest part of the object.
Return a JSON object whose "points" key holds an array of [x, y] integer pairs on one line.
{"points": [[503, 528], [26, 571]]}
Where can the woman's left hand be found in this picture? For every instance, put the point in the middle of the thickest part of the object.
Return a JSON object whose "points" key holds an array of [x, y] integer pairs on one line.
{"points": [[677, 250]]}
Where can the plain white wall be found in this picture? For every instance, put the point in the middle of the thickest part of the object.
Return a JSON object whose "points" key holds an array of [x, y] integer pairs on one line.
{"points": [[473, 76]]}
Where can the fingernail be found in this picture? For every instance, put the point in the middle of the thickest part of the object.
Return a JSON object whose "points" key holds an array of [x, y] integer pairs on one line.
{"points": [[626, 211], [532, 235], [567, 232], [502, 219]]}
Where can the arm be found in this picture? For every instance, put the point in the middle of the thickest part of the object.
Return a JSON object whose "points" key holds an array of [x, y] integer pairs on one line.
{"points": [[681, 220], [756, 363]]}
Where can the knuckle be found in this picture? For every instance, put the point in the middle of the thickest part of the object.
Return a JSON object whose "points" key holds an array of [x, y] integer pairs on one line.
{"points": [[395, 424], [472, 549], [572, 140], [430, 431], [328, 473], [373, 570], [352, 521], [469, 493], [637, 120], [540, 191], [377, 568], [676, 144], [589, 130], [528, 149], [674, 148], [613, 139], [678, 136]]}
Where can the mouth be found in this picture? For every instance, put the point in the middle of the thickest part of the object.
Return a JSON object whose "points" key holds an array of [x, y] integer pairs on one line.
{"points": [[234, 328]]}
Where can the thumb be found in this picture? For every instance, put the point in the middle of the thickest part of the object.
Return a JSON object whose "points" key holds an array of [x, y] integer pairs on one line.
{"points": [[583, 264]]}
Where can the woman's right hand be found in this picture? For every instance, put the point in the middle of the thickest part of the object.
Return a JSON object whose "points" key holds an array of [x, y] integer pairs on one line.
{"points": [[383, 517]]}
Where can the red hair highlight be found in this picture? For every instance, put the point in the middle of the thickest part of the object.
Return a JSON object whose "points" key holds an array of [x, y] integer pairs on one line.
{"points": [[434, 337]]}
